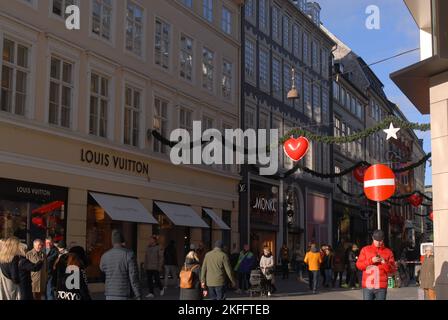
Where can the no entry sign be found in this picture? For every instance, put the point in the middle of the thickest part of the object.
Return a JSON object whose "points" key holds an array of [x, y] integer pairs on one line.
{"points": [[379, 182]]}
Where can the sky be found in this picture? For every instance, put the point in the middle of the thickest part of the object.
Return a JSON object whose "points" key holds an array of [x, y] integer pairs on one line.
{"points": [[346, 19]]}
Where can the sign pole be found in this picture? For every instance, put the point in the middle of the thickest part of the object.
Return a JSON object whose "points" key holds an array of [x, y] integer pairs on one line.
{"points": [[378, 213]]}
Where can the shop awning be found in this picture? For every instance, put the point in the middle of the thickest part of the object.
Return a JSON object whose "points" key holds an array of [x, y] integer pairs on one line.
{"points": [[123, 208], [221, 224], [181, 215]]}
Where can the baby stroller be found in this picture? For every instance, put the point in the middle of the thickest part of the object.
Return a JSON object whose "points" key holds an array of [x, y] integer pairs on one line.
{"points": [[256, 277]]}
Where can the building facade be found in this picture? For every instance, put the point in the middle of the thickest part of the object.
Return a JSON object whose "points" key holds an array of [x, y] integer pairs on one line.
{"points": [[279, 36], [78, 108]]}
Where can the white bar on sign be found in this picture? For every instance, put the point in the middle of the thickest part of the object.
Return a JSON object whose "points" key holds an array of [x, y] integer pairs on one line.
{"points": [[379, 182]]}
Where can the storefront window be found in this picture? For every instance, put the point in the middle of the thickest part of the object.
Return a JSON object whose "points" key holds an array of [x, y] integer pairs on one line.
{"points": [[99, 237], [31, 211]]}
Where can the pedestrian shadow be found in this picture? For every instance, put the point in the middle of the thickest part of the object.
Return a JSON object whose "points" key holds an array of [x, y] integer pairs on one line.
{"points": [[442, 282]]}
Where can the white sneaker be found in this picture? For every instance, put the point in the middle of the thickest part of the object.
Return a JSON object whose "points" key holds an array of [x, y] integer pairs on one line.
{"points": [[150, 296], [269, 294], [162, 292]]}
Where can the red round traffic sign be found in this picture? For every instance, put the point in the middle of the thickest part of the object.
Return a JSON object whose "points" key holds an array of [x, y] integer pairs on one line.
{"points": [[379, 182]]}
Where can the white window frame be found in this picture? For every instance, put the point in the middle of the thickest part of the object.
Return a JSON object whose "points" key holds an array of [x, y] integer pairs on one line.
{"points": [[227, 20], [133, 109], [225, 74], [63, 15], [186, 126], [207, 10], [100, 98], [62, 84], [111, 39], [164, 120], [186, 52], [163, 40], [143, 31], [210, 66]]}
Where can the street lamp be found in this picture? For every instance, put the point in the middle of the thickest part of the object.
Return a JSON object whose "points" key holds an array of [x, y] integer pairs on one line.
{"points": [[293, 94]]}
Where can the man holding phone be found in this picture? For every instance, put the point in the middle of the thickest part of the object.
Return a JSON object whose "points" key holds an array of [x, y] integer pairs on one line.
{"points": [[376, 262]]}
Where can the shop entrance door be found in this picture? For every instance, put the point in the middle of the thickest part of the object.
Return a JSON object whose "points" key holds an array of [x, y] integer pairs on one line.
{"points": [[261, 239]]}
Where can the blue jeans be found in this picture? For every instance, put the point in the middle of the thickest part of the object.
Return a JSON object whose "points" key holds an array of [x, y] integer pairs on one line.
{"points": [[374, 294], [328, 277], [314, 279], [217, 293], [49, 294], [243, 279]]}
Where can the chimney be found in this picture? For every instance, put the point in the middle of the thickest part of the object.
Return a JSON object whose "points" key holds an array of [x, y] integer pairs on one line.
{"points": [[313, 10]]}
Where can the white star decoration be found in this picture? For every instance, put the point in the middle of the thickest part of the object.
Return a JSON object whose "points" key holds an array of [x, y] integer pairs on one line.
{"points": [[391, 132]]}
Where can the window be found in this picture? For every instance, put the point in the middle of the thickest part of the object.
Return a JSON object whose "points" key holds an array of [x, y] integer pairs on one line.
{"points": [[309, 158], [276, 23], [15, 71], [349, 144], [353, 105], [102, 18], [160, 123], [186, 57], [358, 110], [226, 22], [307, 98], [324, 62], [186, 119], [276, 77], [132, 116], [314, 56], [99, 101], [325, 106], [264, 68], [188, 3], [316, 104], [263, 121], [250, 59], [207, 69], [207, 10], [337, 127], [249, 119], [343, 134], [262, 14], [287, 78], [59, 7], [134, 28], [227, 79], [286, 24], [162, 44], [296, 40], [336, 89], [343, 97], [61, 92], [305, 48], [299, 88], [249, 9]]}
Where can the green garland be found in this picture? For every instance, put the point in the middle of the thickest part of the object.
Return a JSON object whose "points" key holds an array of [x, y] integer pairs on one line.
{"points": [[398, 123]]}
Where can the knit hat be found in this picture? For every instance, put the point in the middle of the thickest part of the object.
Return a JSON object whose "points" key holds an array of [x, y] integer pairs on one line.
{"points": [[218, 244], [117, 237]]}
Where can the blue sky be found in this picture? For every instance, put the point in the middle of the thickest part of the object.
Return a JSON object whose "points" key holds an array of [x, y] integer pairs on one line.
{"points": [[398, 32]]}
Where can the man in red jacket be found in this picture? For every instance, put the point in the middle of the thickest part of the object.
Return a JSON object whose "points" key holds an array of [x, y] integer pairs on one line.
{"points": [[376, 261]]}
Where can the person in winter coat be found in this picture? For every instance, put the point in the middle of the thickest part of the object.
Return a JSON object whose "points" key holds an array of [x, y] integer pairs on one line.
{"points": [[353, 256], [192, 264], [75, 268], [153, 266], [327, 266], [52, 254], [25, 269], [376, 261], [121, 271], [60, 264], [313, 259], [267, 268], [9, 270], [298, 263], [338, 266], [427, 276], [170, 262], [39, 278], [285, 258], [245, 264], [215, 272]]}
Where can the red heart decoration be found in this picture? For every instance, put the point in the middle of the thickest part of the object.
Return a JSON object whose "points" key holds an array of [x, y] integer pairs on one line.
{"points": [[415, 199], [296, 149], [359, 172]]}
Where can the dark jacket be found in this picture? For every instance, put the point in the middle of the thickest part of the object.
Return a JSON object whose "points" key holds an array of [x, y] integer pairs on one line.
{"points": [[352, 258], [70, 294], [170, 256], [59, 269], [52, 256], [11, 270], [25, 269], [194, 293], [328, 262], [216, 269], [120, 268]]}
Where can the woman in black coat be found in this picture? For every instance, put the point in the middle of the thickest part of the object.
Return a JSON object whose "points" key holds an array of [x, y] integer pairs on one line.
{"points": [[74, 294], [192, 263]]}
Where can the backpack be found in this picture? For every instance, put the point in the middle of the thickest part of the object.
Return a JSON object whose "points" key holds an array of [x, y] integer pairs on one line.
{"points": [[186, 277]]}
